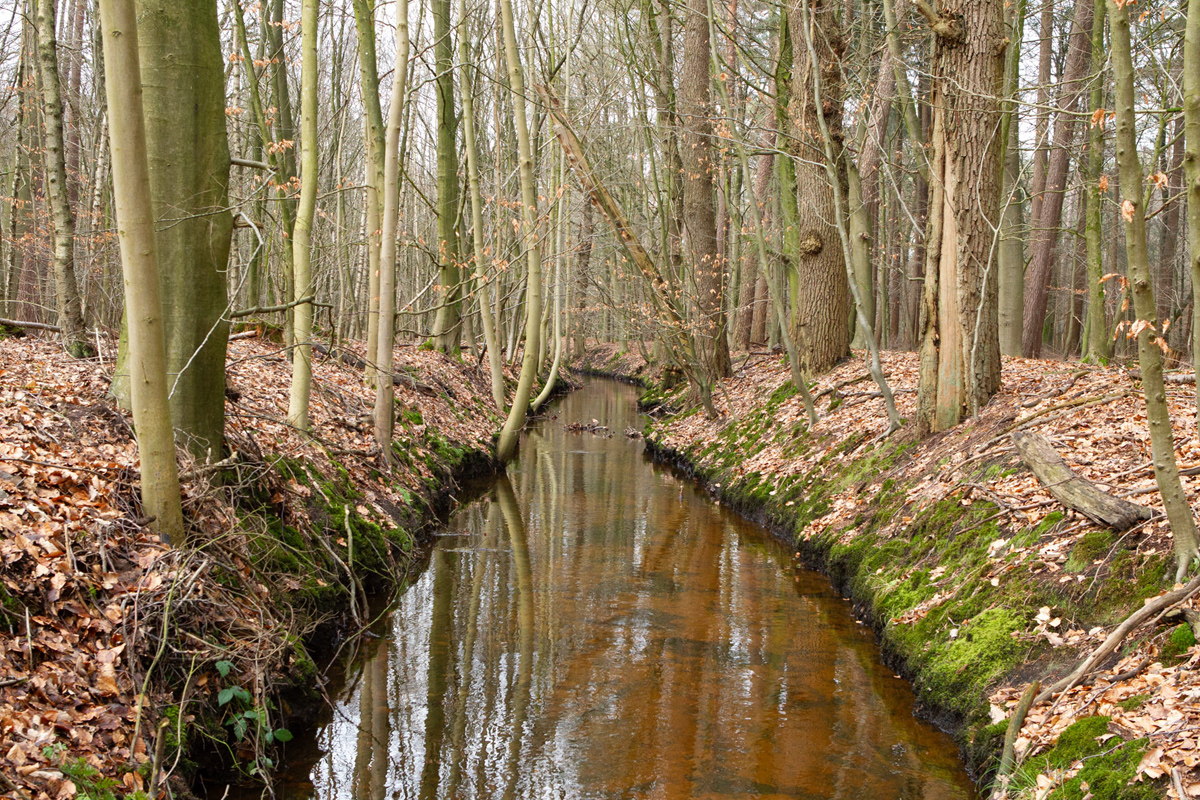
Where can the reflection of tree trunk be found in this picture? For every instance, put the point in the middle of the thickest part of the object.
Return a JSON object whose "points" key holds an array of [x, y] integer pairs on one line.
{"points": [[458, 735], [440, 630], [524, 584], [364, 749]]}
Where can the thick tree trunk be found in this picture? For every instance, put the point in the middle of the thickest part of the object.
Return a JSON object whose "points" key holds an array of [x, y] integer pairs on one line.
{"points": [[143, 303], [1133, 210], [70, 309], [820, 294], [699, 216], [1045, 227], [184, 105], [960, 351]]}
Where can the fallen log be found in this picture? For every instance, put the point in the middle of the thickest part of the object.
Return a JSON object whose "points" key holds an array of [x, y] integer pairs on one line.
{"points": [[37, 326], [1176, 378], [398, 378], [1073, 491]]}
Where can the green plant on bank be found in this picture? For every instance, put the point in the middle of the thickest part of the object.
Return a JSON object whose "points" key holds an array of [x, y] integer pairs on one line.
{"points": [[249, 721], [90, 783]]}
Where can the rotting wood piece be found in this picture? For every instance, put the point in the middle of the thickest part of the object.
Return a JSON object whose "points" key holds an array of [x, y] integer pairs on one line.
{"points": [[1073, 491]]}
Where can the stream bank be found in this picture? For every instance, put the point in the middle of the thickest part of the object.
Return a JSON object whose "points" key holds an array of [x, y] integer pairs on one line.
{"points": [[975, 580], [126, 663]]}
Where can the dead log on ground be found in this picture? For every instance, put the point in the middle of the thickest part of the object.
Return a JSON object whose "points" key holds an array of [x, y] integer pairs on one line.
{"points": [[1073, 491]]}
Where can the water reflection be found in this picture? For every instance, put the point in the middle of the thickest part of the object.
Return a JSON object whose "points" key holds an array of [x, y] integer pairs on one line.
{"points": [[601, 630]]}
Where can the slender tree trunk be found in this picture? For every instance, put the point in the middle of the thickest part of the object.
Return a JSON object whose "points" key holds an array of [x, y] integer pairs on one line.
{"points": [[506, 446], [446, 327], [1098, 347], [303, 286], [1041, 123], [385, 406], [368, 66], [70, 309], [472, 149], [1133, 210], [143, 302], [750, 299]]}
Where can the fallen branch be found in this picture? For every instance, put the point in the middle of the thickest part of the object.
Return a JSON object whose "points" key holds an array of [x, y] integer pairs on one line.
{"points": [[1070, 489], [1079, 402], [398, 378], [251, 334], [1008, 754], [247, 312], [39, 326], [1150, 609]]}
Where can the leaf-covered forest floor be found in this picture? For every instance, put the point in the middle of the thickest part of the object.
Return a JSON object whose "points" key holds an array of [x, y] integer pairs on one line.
{"points": [[124, 660], [976, 579]]}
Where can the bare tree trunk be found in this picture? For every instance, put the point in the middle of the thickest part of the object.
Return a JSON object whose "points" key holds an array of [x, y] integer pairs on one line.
{"points": [[699, 217], [385, 405], [447, 328], [506, 446], [70, 309], [303, 287], [820, 293], [1098, 345], [143, 303], [750, 272], [960, 350], [1133, 209]]}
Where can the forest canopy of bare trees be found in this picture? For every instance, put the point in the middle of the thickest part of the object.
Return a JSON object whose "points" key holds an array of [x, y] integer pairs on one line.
{"points": [[504, 181]]}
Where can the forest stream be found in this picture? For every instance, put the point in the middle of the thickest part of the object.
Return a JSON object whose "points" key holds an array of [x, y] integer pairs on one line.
{"points": [[596, 627]]}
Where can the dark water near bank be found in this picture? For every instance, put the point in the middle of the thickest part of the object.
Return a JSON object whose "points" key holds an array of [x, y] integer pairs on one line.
{"points": [[597, 628]]}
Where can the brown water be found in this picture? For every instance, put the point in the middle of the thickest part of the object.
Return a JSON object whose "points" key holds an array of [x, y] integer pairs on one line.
{"points": [[597, 628]]}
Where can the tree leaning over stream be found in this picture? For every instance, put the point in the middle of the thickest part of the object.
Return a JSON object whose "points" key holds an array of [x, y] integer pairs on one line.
{"points": [[506, 445]]}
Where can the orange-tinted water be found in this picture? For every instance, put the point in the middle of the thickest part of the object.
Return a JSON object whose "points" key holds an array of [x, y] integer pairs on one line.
{"points": [[597, 628]]}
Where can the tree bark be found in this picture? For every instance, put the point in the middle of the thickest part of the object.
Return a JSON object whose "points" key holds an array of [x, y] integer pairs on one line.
{"points": [[302, 286], [506, 446], [447, 328], [960, 352], [184, 105], [699, 217], [385, 405], [1098, 345], [820, 293]]}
